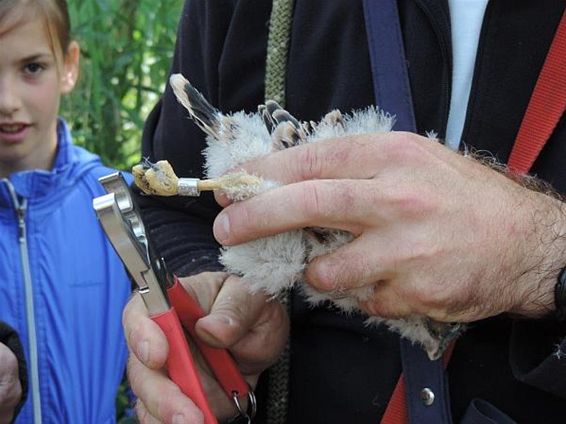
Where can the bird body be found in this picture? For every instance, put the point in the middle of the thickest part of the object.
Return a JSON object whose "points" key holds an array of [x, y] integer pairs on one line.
{"points": [[276, 263]]}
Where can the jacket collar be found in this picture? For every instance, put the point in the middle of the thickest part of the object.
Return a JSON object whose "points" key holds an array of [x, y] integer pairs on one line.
{"points": [[41, 186]]}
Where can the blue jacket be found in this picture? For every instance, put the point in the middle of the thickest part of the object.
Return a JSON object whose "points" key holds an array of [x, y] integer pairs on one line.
{"points": [[63, 288]]}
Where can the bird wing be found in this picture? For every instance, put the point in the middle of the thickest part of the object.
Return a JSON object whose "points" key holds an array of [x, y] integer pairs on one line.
{"points": [[206, 116]]}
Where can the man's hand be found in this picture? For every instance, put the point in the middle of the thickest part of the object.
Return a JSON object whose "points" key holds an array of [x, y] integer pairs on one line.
{"points": [[252, 327], [437, 233], [10, 386]]}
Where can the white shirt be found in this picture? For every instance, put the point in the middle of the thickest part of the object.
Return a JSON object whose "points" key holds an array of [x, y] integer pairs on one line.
{"points": [[466, 18]]}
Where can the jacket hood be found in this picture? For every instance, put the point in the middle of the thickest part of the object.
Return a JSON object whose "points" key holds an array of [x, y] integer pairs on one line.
{"points": [[40, 186]]}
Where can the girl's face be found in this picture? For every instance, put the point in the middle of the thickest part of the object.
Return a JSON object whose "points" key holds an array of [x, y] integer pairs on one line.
{"points": [[32, 79]]}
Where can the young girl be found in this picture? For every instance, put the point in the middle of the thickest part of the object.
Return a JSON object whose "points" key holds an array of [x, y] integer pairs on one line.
{"points": [[61, 285]]}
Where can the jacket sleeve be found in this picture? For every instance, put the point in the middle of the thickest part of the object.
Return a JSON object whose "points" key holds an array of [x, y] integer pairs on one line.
{"points": [[9, 337], [181, 228], [538, 354]]}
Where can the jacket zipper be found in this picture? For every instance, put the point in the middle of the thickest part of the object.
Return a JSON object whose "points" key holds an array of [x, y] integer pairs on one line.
{"points": [[21, 209]]}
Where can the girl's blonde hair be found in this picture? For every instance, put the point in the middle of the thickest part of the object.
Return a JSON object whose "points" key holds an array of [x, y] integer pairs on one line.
{"points": [[54, 12]]}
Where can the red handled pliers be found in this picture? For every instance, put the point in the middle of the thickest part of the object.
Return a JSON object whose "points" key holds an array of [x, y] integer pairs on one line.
{"points": [[168, 303]]}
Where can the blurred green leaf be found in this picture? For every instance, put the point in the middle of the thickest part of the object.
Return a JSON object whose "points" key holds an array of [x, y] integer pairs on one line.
{"points": [[127, 46]]}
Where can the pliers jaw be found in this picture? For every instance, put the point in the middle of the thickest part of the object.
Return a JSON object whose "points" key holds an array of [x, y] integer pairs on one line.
{"points": [[122, 223]]}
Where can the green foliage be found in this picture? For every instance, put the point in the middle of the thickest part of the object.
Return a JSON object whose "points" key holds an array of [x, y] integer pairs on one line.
{"points": [[127, 46], [124, 406]]}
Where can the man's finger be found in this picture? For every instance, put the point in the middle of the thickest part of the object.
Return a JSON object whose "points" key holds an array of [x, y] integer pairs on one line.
{"points": [[356, 264], [162, 398], [345, 157], [339, 204], [234, 312], [252, 326], [336, 158], [144, 337]]}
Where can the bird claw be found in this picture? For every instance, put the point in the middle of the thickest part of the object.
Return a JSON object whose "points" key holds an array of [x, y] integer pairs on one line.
{"points": [[156, 178], [443, 333]]}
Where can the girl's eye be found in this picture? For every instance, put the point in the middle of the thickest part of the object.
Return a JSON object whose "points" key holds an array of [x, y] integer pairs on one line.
{"points": [[34, 68]]}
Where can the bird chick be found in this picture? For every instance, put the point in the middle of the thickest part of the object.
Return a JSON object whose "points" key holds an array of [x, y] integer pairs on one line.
{"points": [[276, 263]]}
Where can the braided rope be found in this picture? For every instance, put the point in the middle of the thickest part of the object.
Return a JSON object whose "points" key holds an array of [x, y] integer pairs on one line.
{"points": [[278, 380], [275, 73], [277, 50]]}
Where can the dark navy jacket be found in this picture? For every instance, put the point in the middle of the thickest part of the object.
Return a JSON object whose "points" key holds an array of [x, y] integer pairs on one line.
{"points": [[342, 372]]}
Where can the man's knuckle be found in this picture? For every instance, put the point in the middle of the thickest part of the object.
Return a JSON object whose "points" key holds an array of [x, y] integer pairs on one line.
{"points": [[400, 147], [134, 376], [325, 276], [8, 361], [433, 297], [241, 221], [410, 202], [141, 413], [440, 315], [378, 307], [131, 311], [10, 390], [312, 201], [309, 164], [167, 407]]}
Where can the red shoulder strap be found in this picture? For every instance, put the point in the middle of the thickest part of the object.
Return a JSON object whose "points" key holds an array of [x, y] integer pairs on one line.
{"points": [[545, 108]]}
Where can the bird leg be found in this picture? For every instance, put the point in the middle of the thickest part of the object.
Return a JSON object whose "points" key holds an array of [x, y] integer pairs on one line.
{"points": [[159, 179]]}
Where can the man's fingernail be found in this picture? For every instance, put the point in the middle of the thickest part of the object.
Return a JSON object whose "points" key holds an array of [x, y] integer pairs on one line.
{"points": [[222, 228], [179, 419], [143, 351], [210, 331]]}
